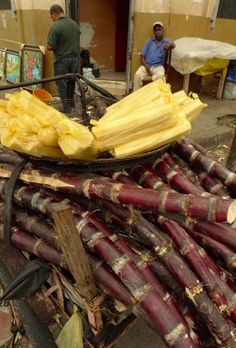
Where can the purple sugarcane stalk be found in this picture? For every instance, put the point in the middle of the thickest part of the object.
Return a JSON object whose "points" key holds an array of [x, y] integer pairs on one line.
{"points": [[200, 178], [28, 242], [176, 180], [218, 290], [204, 208], [148, 179], [200, 160], [227, 255]]}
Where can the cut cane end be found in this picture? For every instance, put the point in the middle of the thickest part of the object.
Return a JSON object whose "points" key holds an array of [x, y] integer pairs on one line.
{"points": [[231, 216]]}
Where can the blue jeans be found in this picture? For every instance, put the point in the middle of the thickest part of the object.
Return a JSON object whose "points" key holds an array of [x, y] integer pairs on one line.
{"points": [[68, 64]]}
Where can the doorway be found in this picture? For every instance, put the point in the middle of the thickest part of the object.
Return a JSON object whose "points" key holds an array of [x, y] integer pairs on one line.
{"points": [[104, 26]]}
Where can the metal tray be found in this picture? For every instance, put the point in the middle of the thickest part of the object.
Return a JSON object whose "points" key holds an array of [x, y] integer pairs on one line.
{"points": [[106, 162]]}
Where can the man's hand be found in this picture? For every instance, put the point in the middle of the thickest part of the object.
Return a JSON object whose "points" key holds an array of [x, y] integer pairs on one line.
{"points": [[147, 69], [169, 45], [143, 62]]}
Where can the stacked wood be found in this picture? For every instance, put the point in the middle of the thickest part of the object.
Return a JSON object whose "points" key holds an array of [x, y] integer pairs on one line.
{"points": [[160, 238]]}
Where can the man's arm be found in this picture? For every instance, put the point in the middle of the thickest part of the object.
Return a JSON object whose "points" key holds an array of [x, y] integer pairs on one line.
{"points": [[143, 62]]}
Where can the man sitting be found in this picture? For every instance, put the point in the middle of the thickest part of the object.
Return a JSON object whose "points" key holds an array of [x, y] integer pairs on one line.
{"points": [[153, 56]]}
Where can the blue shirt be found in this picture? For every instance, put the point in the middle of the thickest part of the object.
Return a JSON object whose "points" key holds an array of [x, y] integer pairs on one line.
{"points": [[153, 51]]}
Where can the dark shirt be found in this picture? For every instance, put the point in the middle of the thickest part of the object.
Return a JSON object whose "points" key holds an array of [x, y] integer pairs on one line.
{"points": [[63, 36]]}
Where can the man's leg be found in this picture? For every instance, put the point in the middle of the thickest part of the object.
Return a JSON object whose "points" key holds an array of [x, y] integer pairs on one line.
{"points": [[60, 68], [73, 68], [140, 74], [158, 73]]}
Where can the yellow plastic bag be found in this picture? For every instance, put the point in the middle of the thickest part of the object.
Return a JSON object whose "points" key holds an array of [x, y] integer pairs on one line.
{"points": [[211, 66]]}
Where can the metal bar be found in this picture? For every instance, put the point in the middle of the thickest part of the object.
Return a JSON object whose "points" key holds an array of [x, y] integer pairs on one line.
{"points": [[60, 77]]}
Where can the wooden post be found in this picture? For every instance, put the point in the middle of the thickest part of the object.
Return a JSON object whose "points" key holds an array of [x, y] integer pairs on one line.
{"points": [[74, 252], [186, 83], [221, 83], [78, 263]]}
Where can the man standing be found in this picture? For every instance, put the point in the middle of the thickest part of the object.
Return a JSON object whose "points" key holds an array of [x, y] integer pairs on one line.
{"points": [[152, 56], [63, 40]]}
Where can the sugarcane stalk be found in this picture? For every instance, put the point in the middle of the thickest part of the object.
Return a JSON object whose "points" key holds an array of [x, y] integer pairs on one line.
{"points": [[147, 179], [184, 166], [218, 291], [222, 233], [162, 273], [174, 332], [120, 176], [212, 185], [200, 178], [209, 262], [205, 208], [200, 160], [171, 162], [219, 249], [176, 180], [196, 145], [28, 242], [33, 224], [193, 289]]}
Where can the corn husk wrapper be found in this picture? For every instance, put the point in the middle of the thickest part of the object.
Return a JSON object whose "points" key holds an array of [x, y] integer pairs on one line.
{"points": [[76, 141], [136, 125], [135, 100], [154, 141], [4, 117], [71, 335], [25, 140]]}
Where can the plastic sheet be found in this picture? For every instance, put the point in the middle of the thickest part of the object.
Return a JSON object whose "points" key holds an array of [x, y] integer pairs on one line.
{"points": [[193, 53]]}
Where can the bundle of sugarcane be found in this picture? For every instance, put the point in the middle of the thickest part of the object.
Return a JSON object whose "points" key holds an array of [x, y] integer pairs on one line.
{"points": [[166, 245], [145, 120]]}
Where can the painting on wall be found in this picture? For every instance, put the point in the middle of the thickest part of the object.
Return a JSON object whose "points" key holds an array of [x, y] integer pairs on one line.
{"points": [[13, 66], [2, 62], [32, 65]]}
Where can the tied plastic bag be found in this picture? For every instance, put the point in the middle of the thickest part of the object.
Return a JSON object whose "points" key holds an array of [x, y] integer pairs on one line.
{"points": [[71, 336], [192, 53]]}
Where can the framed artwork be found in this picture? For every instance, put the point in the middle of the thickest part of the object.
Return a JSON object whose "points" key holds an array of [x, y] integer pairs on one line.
{"points": [[32, 65], [2, 62], [13, 66]]}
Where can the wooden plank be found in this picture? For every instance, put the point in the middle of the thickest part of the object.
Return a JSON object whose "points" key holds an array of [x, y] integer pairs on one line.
{"points": [[74, 252], [221, 83]]}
